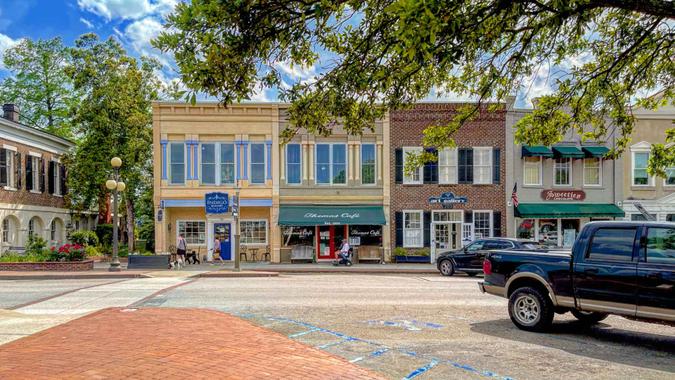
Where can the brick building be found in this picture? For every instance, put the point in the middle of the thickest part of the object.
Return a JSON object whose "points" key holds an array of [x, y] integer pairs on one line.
{"points": [[456, 199], [32, 185]]}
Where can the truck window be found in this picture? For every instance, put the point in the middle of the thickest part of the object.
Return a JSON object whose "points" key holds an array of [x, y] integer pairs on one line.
{"points": [[612, 244], [661, 245]]}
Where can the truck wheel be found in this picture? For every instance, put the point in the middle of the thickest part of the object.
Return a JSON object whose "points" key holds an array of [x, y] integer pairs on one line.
{"points": [[446, 267], [530, 309], [589, 317]]}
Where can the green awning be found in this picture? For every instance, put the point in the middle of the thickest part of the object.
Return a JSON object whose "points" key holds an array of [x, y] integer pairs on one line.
{"points": [[568, 210], [310, 215], [568, 152], [595, 151], [536, 151]]}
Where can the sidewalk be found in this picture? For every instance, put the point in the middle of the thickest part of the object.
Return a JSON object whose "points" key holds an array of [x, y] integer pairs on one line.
{"points": [[326, 268], [168, 344]]}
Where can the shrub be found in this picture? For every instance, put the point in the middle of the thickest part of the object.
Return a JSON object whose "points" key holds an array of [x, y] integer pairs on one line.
{"points": [[70, 252], [400, 251], [36, 246], [84, 238], [91, 251], [13, 257], [423, 252], [104, 233]]}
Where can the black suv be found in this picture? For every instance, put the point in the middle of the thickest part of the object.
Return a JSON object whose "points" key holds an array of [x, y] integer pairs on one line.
{"points": [[470, 258]]}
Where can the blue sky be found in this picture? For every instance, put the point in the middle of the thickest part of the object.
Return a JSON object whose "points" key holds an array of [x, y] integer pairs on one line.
{"points": [[134, 23]]}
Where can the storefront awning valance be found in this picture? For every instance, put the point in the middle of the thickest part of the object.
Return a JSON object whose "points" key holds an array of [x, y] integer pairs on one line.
{"points": [[331, 215], [568, 210], [536, 151], [568, 152], [595, 151]]}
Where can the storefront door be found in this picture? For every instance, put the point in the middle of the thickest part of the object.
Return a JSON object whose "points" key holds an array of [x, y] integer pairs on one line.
{"points": [[329, 241], [445, 237], [221, 231]]}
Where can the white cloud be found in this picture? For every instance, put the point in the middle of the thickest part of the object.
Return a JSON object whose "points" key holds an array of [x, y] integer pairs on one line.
{"points": [[139, 34], [87, 23], [536, 85], [127, 9], [6, 42]]}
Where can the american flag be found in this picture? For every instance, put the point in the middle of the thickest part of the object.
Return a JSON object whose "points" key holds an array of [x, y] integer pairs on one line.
{"points": [[514, 195]]}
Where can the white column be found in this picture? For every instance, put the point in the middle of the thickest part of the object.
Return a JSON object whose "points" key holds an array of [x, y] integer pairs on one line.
{"points": [[282, 164], [310, 160], [379, 161], [357, 161]]}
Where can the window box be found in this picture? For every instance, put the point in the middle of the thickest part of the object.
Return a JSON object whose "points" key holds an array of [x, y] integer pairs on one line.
{"points": [[419, 259]]}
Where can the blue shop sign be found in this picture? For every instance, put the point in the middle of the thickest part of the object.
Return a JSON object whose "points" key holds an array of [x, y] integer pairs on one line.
{"points": [[216, 203], [448, 200]]}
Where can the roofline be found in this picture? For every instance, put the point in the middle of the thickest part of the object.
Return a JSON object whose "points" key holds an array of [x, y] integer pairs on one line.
{"points": [[286, 104], [37, 131]]}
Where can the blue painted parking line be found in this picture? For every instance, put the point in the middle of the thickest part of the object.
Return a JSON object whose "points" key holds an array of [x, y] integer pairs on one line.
{"points": [[302, 333], [421, 370]]}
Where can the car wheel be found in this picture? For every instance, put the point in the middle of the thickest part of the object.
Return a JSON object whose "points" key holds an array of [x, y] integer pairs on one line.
{"points": [[447, 268], [530, 309], [589, 317]]}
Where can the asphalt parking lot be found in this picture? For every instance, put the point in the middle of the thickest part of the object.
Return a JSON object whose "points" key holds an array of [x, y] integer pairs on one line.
{"points": [[406, 326]]}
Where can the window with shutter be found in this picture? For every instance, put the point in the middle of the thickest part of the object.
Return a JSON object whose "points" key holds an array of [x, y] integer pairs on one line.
{"points": [[398, 220], [496, 165], [50, 177], [398, 158], [3, 168], [41, 176], [482, 165], [19, 180], [416, 177], [62, 177], [29, 173], [431, 168], [447, 166], [465, 165]]}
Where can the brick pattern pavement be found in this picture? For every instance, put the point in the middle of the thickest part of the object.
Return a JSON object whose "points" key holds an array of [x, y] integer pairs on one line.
{"points": [[168, 344]]}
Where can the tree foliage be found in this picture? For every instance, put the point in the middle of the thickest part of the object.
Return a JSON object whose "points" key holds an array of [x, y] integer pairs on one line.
{"points": [[39, 85], [604, 56]]}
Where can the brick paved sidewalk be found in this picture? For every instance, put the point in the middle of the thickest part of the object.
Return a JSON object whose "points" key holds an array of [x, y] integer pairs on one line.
{"points": [[167, 344]]}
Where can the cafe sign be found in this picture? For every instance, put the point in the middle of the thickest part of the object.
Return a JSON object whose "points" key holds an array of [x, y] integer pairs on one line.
{"points": [[216, 203], [447, 200], [333, 218], [563, 195]]}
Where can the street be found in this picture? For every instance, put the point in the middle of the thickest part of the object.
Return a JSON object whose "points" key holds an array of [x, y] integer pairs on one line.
{"points": [[401, 326]]}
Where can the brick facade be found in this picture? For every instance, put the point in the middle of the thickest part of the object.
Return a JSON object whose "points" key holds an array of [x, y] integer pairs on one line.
{"points": [[407, 128]]}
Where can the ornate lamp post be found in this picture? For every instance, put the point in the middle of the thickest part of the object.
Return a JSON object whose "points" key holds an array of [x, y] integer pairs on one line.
{"points": [[115, 185], [237, 245]]}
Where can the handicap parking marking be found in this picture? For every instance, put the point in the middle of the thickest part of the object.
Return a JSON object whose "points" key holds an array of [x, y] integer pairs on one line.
{"points": [[410, 325]]}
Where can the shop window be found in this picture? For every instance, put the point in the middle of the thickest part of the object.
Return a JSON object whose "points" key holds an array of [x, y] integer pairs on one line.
{"points": [[331, 163], [208, 164], [447, 166], [482, 224], [455, 216], [640, 175], [592, 171], [548, 232], [570, 228], [194, 231], [368, 164], [7, 168], [177, 163], [227, 164], [532, 167], [365, 235], [298, 236], [413, 234], [253, 231], [414, 178], [525, 229], [613, 244], [293, 164], [258, 163], [482, 165], [562, 172], [661, 245]]}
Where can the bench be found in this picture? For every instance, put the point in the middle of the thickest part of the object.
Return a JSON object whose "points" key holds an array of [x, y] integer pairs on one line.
{"points": [[368, 253]]}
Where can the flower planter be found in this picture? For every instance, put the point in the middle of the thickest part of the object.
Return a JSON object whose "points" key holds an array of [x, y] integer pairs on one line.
{"points": [[53, 266], [412, 259], [148, 262]]}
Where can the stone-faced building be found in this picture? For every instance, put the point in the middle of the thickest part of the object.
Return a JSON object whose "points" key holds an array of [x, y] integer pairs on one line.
{"points": [[457, 199], [32, 185]]}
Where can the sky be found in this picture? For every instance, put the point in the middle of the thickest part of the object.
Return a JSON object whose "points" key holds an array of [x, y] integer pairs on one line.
{"points": [[135, 23]]}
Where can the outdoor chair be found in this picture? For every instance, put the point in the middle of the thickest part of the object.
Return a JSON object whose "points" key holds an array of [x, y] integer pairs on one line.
{"points": [[266, 256], [242, 253]]}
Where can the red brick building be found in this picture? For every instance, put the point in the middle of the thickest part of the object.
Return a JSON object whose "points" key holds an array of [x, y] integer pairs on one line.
{"points": [[460, 197]]}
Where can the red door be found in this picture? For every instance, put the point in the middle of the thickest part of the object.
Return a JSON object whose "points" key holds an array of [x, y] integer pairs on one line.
{"points": [[329, 241]]}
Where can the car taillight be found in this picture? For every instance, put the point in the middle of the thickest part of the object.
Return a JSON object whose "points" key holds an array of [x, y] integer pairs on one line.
{"points": [[487, 267]]}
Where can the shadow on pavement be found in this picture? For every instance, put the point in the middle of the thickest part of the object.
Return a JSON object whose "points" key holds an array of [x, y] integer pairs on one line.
{"points": [[603, 342]]}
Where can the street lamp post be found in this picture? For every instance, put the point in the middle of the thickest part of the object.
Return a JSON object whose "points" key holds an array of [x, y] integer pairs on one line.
{"points": [[115, 185], [237, 264]]}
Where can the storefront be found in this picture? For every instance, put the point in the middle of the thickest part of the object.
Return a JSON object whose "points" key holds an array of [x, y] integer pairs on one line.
{"points": [[313, 232]]}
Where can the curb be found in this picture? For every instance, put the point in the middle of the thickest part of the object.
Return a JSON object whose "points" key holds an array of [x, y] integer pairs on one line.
{"points": [[70, 276], [349, 270], [231, 274]]}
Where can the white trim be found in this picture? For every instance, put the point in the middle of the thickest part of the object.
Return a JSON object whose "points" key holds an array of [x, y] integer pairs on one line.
{"points": [[267, 232], [35, 154], [407, 179], [541, 172], [650, 179], [185, 168], [452, 155], [250, 163], [206, 236], [375, 164], [476, 150], [403, 228], [9, 147], [216, 164], [601, 162], [491, 220], [286, 164], [330, 164], [569, 176]]}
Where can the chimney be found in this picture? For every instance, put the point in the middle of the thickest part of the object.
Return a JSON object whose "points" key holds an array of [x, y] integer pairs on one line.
{"points": [[10, 112]]}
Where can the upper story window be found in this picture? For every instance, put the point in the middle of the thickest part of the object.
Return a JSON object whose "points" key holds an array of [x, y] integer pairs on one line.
{"points": [[482, 165], [640, 175], [208, 176], [562, 172], [8, 168], [258, 163], [592, 171], [57, 178], [447, 166], [56, 175], [416, 176], [368, 164], [177, 163], [227, 164], [532, 168], [293, 164], [33, 171], [331, 163]]}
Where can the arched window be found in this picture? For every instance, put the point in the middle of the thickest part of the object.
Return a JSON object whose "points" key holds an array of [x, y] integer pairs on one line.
{"points": [[35, 227], [56, 231]]}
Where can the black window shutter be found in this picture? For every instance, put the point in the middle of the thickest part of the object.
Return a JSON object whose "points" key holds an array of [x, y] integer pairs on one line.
{"points": [[465, 166], [496, 223], [398, 220], [17, 173], [64, 188], [399, 165], [29, 173], [41, 166], [3, 167], [431, 168], [496, 165], [469, 165], [468, 216], [427, 228], [50, 177]]}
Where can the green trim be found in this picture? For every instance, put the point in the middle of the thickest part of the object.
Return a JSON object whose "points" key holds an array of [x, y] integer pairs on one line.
{"points": [[536, 151], [311, 215], [595, 151], [567, 152], [568, 210]]}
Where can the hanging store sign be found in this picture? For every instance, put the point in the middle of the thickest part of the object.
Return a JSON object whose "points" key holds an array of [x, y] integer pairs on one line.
{"points": [[216, 203], [447, 200], [563, 195]]}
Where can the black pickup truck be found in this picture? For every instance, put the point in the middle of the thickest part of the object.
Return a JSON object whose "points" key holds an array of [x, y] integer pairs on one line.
{"points": [[623, 268]]}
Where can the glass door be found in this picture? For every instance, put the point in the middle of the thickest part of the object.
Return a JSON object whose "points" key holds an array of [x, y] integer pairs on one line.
{"points": [[324, 246]]}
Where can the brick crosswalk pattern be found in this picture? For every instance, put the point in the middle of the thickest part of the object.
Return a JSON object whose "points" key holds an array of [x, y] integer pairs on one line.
{"points": [[165, 343]]}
